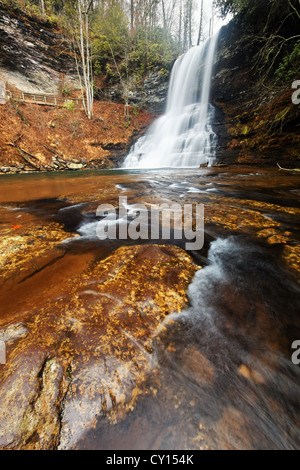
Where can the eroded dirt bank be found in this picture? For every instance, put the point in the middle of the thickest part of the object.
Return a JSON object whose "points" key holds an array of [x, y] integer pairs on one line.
{"points": [[42, 138]]}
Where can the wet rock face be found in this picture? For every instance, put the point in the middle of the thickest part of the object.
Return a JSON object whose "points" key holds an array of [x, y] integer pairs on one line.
{"points": [[230, 86], [75, 357], [151, 94], [248, 120], [32, 54], [234, 54]]}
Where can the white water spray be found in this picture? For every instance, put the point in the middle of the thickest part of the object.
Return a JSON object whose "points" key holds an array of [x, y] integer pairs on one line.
{"points": [[183, 137]]}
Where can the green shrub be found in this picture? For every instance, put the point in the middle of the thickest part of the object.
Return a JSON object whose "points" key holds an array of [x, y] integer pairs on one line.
{"points": [[66, 91], [289, 68], [69, 105], [97, 68]]}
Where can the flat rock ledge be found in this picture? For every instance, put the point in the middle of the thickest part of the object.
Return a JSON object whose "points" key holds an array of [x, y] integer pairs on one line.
{"points": [[79, 357]]}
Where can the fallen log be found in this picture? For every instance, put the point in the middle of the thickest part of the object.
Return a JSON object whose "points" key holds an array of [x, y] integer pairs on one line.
{"points": [[19, 137], [12, 144], [25, 155], [52, 151]]}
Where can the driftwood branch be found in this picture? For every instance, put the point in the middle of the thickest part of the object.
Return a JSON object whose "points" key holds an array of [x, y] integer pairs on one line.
{"points": [[287, 169]]}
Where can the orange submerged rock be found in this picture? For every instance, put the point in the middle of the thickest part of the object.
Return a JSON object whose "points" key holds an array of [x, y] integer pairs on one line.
{"points": [[79, 356]]}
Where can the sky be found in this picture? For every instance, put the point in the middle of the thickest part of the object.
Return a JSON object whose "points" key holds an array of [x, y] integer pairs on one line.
{"points": [[218, 22]]}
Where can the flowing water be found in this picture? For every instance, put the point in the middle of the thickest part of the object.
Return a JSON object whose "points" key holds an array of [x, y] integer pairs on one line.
{"points": [[222, 374], [183, 136]]}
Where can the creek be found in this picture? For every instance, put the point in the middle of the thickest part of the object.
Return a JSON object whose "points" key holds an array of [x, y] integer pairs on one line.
{"points": [[220, 373]]}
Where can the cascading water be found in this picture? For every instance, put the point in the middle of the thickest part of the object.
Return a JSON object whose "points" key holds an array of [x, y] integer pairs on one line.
{"points": [[183, 137]]}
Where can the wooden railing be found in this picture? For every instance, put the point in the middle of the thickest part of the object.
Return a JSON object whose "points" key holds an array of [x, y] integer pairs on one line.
{"points": [[44, 99]]}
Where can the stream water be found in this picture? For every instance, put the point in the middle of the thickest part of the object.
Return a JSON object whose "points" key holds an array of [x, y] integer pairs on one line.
{"points": [[224, 376]]}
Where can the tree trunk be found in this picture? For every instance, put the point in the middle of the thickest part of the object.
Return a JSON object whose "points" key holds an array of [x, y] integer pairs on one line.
{"points": [[85, 60], [190, 23], [180, 25], [201, 24], [164, 14], [42, 7], [131, 15]]}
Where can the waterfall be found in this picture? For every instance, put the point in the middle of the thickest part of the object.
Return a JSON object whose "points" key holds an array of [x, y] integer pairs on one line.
{"points": [[183, 137]]}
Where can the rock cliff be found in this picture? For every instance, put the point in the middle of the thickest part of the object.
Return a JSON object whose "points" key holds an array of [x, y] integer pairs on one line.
{"points": [[256, 123], [34, 57]]}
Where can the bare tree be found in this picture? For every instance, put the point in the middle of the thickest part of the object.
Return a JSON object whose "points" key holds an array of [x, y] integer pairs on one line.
{"points": [[187, 24], [42, 8], [201, 24], [190, 16], [132, 15], [180, 24], [164, 13], [83, 7]]}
